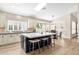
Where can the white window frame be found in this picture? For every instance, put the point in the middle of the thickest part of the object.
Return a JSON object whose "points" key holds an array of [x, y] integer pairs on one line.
{"points": [[17, 23]]}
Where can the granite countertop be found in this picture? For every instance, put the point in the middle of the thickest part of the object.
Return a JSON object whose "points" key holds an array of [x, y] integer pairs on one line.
{"points": [[4, 33]]}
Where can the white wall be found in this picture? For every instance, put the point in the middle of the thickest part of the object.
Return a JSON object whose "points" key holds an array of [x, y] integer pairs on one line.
{"points": [[78, 22], [64, 22], [73, 18], [4, 17]]}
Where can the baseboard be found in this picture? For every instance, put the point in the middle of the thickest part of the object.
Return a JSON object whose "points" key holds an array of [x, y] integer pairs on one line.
{"points": [[66, 38], [9, 44]]}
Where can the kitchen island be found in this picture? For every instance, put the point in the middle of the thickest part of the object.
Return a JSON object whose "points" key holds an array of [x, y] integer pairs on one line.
{"points": [[31, 36]]}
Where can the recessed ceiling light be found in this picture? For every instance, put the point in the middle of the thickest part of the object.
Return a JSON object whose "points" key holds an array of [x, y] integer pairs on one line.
{"points": [[40, 6]]}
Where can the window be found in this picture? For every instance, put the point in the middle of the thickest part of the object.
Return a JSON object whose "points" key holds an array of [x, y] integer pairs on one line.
{"points": [[23, 26], [10, 27], [17, 25], [73, 27], [53, 26], [43, 27]]}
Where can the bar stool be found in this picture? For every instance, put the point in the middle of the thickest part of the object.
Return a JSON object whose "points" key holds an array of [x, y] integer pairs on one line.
{"points": [[44, 40], [52, 39], [33, 42]]}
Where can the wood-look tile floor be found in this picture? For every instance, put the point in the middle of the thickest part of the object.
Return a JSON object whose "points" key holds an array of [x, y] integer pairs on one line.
{"points": [[62, 47]]}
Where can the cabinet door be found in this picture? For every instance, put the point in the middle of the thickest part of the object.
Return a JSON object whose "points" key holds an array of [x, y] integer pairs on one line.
{"points": [[0, 40], [8, 39], [13, 38], [16, 38], [3, 39]]}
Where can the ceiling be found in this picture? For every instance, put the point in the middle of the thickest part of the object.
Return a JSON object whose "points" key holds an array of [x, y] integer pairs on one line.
{"points": [[49, 12]]}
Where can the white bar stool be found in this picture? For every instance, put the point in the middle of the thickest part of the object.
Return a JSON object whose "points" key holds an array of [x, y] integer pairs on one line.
{"points": [[33, 42], [44, 40], [52, 40]]}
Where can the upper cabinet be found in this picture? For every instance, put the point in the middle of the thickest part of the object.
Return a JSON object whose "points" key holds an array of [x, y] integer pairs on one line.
{"points": [[2, 19], [3, 22]]}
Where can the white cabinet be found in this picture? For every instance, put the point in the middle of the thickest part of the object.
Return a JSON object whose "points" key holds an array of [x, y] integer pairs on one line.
{"points": [[15, 38], [3, 39], [9, 38], [0, 40]]}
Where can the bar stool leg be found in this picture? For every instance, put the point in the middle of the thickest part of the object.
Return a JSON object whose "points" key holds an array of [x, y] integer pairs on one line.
{"points": [[47, 44], [30, 48], [39, 46], [33, 49], [54, 42], [43, 45], [51, 43]]}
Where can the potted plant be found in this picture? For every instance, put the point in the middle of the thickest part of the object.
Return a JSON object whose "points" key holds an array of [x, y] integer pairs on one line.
{"points": [[38, 27]]}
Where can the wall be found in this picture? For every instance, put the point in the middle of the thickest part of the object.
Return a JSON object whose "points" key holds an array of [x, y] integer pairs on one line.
{"points": [[33, 24], [74, 19], [4, 17], [78, 22], [64, 22]]}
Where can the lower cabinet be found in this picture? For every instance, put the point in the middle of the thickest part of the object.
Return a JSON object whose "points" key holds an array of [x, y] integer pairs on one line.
{"points": [[7, 39], [1, 40]]}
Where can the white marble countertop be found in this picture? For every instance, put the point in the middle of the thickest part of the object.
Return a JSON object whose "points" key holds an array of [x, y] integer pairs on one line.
{"points": [[33, 35]]}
